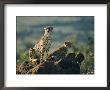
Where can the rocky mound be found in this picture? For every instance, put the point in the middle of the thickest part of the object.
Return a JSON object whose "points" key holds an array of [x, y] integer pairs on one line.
{"points": [[68, 65]]}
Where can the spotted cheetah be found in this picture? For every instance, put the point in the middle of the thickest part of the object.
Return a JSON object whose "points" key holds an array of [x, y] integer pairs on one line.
{"points": [[43, 45], [61, 52], [32, 55]]}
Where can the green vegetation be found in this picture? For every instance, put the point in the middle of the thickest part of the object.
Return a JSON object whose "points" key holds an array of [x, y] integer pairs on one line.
{"points": [[87, 66]]}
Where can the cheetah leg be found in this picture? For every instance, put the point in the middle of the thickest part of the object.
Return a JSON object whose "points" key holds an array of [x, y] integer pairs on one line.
{"points": [[41, 59]]}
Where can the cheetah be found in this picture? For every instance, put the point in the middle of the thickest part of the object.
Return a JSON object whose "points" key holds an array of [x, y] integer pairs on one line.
{"points": [[43, 45], [33, 57], [61, 52]]}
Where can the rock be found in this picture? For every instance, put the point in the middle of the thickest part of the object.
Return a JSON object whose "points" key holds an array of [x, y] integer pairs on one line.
{"points": [[68, 65], [79, 58]]}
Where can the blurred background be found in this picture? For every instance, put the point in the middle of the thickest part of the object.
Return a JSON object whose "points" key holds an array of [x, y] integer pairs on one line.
{"points": [[77, 29]]}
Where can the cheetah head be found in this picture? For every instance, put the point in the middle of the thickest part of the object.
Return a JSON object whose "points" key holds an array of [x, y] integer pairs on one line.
{"points": [[48, 29], [67, 44]]}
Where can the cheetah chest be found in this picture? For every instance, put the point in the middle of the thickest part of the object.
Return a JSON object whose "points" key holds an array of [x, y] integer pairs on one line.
{"points": [[44, 44]]}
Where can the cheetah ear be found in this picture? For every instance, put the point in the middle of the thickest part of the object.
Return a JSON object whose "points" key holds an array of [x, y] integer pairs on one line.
{"points": [[30, 48], [44, 28], [34, 48]]}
